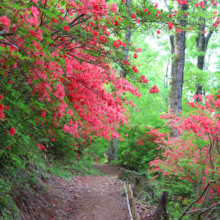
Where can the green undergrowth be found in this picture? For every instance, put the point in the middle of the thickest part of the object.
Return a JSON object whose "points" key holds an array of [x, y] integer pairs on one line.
{"points": [[21, 178], [75, 168], [180, 194]]}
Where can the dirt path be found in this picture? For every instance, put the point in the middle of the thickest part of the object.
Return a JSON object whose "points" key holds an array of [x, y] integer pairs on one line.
{"points": [[94, 198], [104, 200], [80, 198]]}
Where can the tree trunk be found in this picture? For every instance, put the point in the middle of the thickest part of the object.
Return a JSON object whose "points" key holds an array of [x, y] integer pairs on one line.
{"points": [[177, 73], [126, 50], [178, 69], [112, 150], [161, 211], [172, 46], [202, 44], [111, 153], [114, 142], [198, 91]]}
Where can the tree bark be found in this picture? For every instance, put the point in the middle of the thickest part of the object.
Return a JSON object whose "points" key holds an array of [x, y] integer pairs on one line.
{"points": [[172, 46], [178, 69], [161, 211], [112, 151], [177, 72], [202, 44], [126, 50]]}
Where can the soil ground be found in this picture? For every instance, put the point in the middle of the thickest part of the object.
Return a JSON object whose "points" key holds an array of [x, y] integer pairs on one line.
{"points": [[80, 198], [88, 198], [102, 196]]}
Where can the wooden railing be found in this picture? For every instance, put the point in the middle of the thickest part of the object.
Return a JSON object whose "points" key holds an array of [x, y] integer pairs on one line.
{"points": [[132, 207]]}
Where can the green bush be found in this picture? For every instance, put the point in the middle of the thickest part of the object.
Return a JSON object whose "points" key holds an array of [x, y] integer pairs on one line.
{"points": [[96, 151], [134, 155]]}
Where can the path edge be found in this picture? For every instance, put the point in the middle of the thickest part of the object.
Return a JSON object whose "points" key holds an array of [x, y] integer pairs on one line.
{"points": [[129, 209]]}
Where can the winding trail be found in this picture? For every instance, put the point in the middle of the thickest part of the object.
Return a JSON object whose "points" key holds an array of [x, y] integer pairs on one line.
{"points": [[95, 198], [104, 200]]}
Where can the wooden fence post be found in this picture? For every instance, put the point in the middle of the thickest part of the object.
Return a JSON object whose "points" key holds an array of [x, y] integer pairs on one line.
{"points": [[132, 203]]}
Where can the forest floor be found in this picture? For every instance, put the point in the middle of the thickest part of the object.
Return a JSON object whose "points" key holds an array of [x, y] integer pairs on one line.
{"points": [[80, 198], [97, 198]]}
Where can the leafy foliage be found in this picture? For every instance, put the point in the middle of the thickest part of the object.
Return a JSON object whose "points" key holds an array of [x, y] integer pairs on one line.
{"points": [[136, 152]]}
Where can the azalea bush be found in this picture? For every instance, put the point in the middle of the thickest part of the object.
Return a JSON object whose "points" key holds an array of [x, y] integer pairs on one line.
{"points": [[54, 67], [191, 161], [57, 85]]}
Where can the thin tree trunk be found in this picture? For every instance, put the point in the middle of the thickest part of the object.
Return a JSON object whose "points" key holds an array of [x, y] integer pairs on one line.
{"points": [[126, 50], [112, 150], [202, 44], [172, 46], [166, 83]]}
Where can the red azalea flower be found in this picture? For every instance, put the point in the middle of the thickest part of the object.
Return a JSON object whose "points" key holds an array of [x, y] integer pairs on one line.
{"points": [[12, 131], [66, 28]]}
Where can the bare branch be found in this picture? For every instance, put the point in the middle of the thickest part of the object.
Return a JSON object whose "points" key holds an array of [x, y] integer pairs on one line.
{"points": [[7, 43], [137, 28], [207, 186], [208, 37], [3, 33]]}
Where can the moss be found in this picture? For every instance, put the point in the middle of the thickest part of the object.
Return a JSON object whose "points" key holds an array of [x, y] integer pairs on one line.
{"points": [[139, 181]]}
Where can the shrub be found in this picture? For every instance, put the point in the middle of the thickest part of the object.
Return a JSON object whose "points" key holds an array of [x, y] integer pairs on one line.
{"points": [[138, 149]]}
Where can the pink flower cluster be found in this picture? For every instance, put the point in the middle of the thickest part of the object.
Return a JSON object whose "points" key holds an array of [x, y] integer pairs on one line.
{"points": [[154, 89]]}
